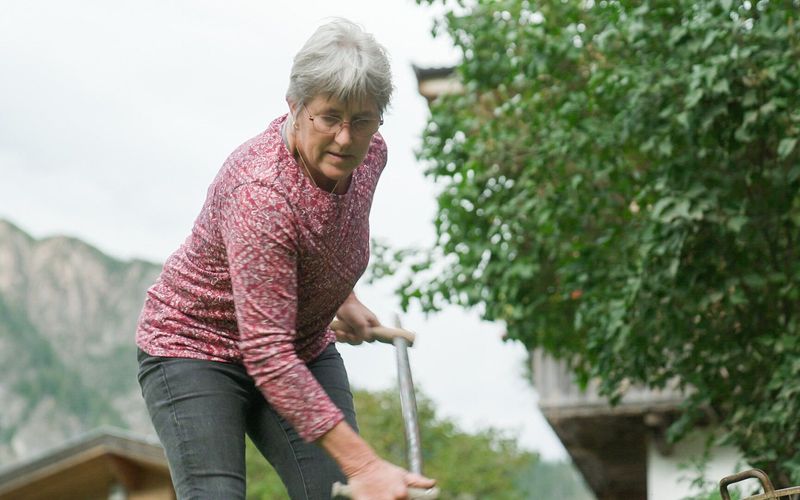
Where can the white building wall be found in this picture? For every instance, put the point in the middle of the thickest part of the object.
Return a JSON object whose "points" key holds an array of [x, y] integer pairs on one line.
{"points": [[670, 477]]}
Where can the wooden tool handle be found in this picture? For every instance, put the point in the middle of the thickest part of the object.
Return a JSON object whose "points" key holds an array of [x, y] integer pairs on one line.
{"points": [[383, 334], [340, 490]]}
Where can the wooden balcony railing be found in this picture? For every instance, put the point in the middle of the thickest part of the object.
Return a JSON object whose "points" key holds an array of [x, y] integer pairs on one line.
{"points": [[560, 396]]}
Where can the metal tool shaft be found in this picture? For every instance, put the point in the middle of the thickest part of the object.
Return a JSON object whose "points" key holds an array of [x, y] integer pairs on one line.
{"points": [[402, 340], [408, 404]]}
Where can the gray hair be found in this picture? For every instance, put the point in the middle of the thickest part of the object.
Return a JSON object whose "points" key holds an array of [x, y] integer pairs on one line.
{"points": [[341, 60]]}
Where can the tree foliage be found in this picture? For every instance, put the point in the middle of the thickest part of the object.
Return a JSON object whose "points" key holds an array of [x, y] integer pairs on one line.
{"points": [[620, 187], [485, 464]]}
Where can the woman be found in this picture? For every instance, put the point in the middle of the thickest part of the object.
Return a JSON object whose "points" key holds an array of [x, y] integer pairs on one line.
{"points": [[234, 335]]}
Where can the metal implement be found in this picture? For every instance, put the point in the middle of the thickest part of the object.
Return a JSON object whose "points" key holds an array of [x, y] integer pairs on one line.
{"points": [[402, 340], [408, 404], [769, 491], [340, 490]]}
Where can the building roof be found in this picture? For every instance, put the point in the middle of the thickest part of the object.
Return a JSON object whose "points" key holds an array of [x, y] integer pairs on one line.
{"points": [[436, 72], [433, 82], [104, 455]]}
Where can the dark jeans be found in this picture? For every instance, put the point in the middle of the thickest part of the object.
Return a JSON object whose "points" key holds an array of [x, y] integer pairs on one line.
{"points": [[202, 409]]}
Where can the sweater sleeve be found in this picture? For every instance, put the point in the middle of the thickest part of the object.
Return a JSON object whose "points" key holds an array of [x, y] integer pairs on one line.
{"points": [[258, 229]]}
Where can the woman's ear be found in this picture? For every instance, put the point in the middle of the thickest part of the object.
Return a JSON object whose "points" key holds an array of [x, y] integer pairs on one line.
{"points": [[293, 110], [292, 126]]}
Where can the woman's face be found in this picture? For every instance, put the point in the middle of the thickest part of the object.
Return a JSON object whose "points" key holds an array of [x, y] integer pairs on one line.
{"points": [[335, 155]]}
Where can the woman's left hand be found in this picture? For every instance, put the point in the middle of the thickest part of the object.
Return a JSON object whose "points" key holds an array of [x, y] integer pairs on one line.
{"points": [[360, 319]]}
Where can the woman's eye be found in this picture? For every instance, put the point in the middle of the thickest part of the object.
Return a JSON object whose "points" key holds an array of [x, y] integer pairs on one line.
{"points": [[330, 121], [362, 124]]}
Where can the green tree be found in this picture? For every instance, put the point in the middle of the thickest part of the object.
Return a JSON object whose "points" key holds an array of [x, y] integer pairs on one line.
{"points": [[555, 480], [620, 187], [485, 464]]}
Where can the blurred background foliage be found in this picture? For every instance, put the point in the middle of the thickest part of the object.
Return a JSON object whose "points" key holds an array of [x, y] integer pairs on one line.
{"points": [[483, 464], [619, 186]]}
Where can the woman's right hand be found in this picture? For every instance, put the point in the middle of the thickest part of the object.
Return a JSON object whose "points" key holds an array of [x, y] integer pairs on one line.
{"points": [[381, 480], [369, 477]]}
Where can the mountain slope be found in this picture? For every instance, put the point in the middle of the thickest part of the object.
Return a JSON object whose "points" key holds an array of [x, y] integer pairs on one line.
{"points": [[67, 319]]}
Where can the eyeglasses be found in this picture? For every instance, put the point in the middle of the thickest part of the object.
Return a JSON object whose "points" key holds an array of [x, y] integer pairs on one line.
{"points": [[361, 127]]}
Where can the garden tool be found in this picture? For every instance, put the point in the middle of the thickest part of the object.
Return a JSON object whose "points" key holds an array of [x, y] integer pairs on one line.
{"points": [[402, 340], [769, 491]]}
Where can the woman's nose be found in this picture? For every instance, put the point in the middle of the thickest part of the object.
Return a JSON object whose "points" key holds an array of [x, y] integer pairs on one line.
{"points": [[343, 136]]}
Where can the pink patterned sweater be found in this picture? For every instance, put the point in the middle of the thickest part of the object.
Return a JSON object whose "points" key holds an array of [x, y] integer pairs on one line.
{"points": [[269, 261]]}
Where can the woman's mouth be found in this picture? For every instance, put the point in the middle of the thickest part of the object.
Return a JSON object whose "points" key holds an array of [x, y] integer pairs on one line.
{"points": [[339, 156]]}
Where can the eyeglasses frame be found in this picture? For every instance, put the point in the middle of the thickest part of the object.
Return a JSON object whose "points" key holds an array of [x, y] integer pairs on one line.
{"points": [[341, 125]]}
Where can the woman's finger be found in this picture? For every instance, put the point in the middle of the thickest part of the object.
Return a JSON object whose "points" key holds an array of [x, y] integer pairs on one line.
{"points": [[348, 337], [419, 481]]}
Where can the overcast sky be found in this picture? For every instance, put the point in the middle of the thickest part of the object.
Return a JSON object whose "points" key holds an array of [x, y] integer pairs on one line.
{"points": [[115, 117]]}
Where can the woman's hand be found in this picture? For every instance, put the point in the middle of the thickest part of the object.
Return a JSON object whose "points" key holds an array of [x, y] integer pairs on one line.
{"points": [[381, 480], [360, 319], [368, 476]]}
